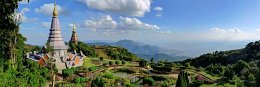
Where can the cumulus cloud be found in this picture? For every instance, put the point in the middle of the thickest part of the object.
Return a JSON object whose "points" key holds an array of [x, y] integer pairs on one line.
{"points": [[23, 17], [158, 8], [124, 7], [106, 23], [217, 30], [24, 10], [165, 32], [47, 9], [46, 24], [159, 11], [158, 15], [257, 30], [135, 24], [232, 30], [26, 1], [235, 30], [103, 23]]}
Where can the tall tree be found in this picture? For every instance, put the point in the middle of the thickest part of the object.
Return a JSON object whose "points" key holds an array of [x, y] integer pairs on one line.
{"points": [[9, 32], [182, 80], [257, 78], [152, 60]]}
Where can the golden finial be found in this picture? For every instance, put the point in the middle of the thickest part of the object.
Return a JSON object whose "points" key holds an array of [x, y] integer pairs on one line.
{"points": [[55, 10], [74, 27]]}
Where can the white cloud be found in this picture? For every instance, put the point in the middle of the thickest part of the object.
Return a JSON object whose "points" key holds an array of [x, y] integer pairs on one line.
{"points": [[23, 17], [158, 15], [106, 23], [26, 1], [124, 7], [235, 30], [46, 24], [158, 8], [217, 30], [47, 9], [24, 10], [159, 11], [127, 23], [257, 30], [230, 34], [165, 32], [232, 30], [103, 23]]}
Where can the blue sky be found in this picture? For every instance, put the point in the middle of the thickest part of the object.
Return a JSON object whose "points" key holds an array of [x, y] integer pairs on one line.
{"points": [[188, 25]]}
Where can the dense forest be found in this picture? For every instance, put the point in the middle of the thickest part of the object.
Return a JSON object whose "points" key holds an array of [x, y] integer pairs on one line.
{"points": [[235, 66], [250, 53]]}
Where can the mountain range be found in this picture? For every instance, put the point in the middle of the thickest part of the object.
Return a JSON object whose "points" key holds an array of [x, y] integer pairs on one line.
{"points": [[146, 51]]}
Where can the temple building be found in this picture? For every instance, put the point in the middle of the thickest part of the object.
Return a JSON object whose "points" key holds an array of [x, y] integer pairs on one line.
{"points": [[63, 59], [55, 38], [74, 36]]}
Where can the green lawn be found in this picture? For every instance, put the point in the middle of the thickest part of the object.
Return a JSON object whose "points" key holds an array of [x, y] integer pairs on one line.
{"points": [[131, 64], [102, 53], [87, 62], [215, 85]]}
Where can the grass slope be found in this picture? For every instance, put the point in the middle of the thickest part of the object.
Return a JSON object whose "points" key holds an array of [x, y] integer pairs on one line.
{"points": [[88, 62], [102, 53]]}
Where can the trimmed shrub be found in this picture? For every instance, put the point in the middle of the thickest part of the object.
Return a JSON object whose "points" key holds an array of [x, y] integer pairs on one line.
{"points": [[101, 58], [105, 64], [83, 79], [111, 63], [123, 62], [67, 72], [93, 68], [164, 84], [77, 80], [131, 85], [108, 75], [126, 70], [159, 78], [149, 81], [117, 62]]}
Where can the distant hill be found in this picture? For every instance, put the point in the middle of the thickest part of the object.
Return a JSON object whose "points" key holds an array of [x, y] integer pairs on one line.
{"points": [[146, 51], [118, 53], [250, 53]]}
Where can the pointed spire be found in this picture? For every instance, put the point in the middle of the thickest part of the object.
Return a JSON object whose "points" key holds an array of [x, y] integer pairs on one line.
{"points": [[55, 10], [74, 36], [74, 28]]}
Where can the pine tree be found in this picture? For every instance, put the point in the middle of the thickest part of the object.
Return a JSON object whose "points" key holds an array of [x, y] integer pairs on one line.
{"points": [[152, 60], [257, 79], [182, 80]]}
